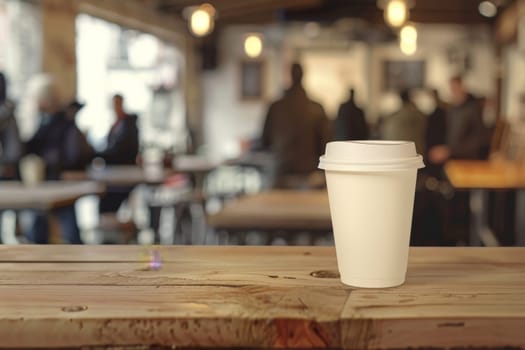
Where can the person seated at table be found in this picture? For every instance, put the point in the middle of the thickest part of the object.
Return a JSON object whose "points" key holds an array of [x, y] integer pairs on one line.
{"points": [[51, 143], [295, 132], [122, 148]]}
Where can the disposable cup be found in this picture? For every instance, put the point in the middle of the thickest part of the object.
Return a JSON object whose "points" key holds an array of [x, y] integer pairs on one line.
{"points": [[371, 188], [32, 170]]}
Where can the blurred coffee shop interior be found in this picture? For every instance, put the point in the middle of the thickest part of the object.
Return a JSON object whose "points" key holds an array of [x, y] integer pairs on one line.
{"points": [[187, 91]]}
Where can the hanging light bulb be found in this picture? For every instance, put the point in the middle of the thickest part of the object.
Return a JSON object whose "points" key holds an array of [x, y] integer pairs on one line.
{"points": [[408, 33], [201, 21], [396, 13], [488, 9], [408, 39], [253, 45], [408, 47]]}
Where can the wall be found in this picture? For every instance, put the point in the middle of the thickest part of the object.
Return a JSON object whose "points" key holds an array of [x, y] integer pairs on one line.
{"points": [[435, 42], [332, 64], [330, 74], [227, 118]]}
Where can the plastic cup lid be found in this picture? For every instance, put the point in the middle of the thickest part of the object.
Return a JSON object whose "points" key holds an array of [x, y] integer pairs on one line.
{"points": [[370, 156]]}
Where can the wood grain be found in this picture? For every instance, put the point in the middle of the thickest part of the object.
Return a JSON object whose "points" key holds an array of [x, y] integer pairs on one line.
{"points": [[276, 210], [205, 297], [69, 296]]}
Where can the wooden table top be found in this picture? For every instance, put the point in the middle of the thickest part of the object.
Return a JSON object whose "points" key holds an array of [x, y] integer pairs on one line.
{"points": [[72, 296], [274, 210], [477, 174], [47, 195]]}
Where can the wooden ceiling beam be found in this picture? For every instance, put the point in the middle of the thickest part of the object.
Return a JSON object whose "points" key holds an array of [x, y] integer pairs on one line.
{"points": [[235, 8], [246, 11]]}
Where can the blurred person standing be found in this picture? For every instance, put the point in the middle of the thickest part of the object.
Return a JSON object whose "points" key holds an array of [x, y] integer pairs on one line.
{"points": [[430, 210], [466, 134], [58, 140], [295, 131], [435, 135], [78, 152], [10, 144], [48, 142], [466, 138], [350, 123], [407, 124], [122, 148]]}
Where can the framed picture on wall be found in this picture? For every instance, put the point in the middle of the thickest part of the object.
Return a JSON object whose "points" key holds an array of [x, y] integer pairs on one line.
{"points": [[398, 75], [252, 80]]}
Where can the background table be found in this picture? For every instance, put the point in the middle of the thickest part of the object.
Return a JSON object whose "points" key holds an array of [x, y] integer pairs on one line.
{"points": [[123, 178], [46, 195], [276, 210], [480, 174], [478, 177], [57, 296], [132, 175], [121, 175]]}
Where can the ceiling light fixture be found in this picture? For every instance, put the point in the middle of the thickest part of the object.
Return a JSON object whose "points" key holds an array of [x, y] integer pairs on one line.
{"points": [[408, 33], [408, 39], [253, 45], [408, 47], [487, 9], [396, 13], [202, 20]]}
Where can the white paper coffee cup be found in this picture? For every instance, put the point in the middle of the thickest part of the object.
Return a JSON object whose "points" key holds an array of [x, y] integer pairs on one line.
{"points": [[32, 170], [371, 188]]}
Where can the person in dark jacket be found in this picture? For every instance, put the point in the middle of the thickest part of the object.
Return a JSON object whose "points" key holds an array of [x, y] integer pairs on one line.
{"points": [[10, 145], [351, 122], [466, 134], [49, 143], [466, 137], [435, 135], [122, 145], [122, 148], [430, 209], [78, 153], [295, 132]]}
